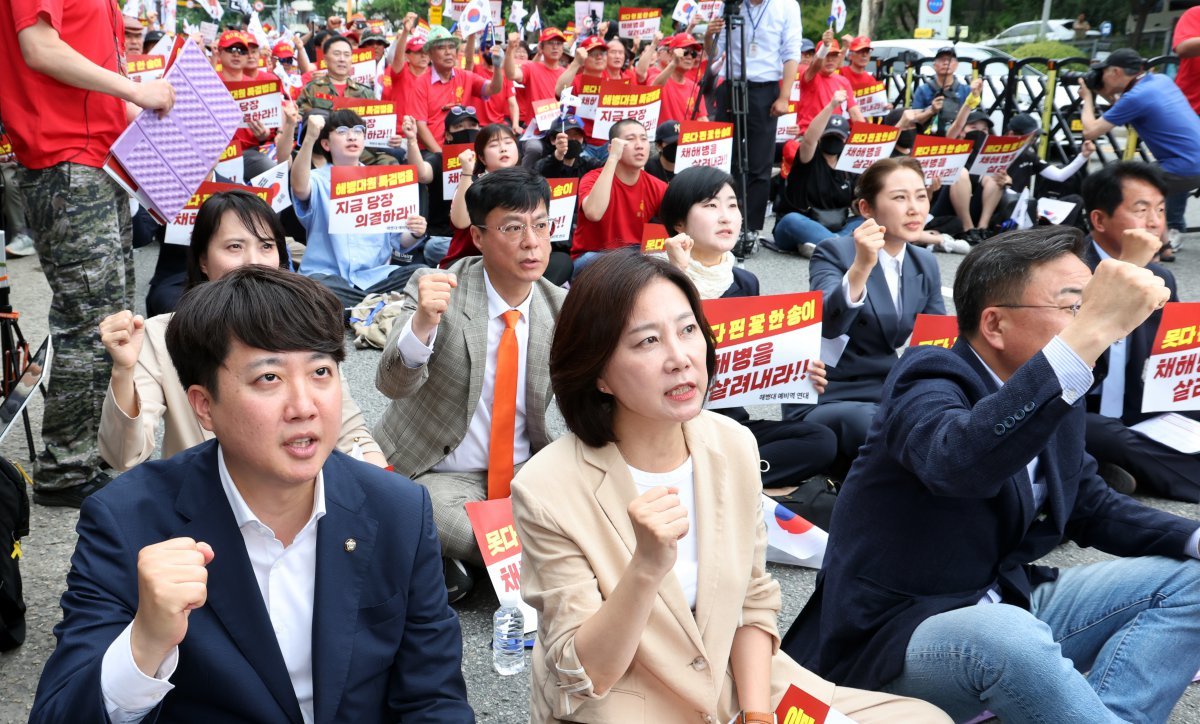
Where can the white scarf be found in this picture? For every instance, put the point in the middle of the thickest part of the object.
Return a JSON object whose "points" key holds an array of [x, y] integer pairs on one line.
{"points": [[712, 281]]}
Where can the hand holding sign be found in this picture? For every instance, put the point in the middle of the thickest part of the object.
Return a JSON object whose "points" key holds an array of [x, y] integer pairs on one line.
{"points": [[659, 521], [1139, 246], [818, 375], [433, 299], [868, 240], [417, 225]]}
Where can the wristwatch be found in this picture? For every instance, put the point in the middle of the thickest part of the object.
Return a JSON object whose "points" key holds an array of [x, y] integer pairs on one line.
{"points": [[756, 717]]}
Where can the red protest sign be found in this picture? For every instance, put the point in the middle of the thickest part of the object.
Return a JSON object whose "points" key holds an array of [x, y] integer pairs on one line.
{"points": [[940, 330], [654, 238], [799, 707], [1173, 370]]}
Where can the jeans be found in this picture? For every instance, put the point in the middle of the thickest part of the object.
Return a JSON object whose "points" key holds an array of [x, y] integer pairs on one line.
{"points": [[435, 249], [599, 153], [1177, 211], [795, 229], [1133, 623]]}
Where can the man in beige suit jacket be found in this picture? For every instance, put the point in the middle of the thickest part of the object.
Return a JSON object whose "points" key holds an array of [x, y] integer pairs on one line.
{"points": [[438, 365]]}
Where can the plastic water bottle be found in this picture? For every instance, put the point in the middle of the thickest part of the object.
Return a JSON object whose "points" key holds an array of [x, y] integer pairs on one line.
{"points": [[508, 636]]}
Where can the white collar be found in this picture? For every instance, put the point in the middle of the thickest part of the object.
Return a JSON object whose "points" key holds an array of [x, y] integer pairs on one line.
{"points": [[496, 304], [241, 511]]}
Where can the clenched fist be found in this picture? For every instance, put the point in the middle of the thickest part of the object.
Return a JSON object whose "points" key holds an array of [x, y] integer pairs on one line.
{"points": [[433, 299], [172, 581]]}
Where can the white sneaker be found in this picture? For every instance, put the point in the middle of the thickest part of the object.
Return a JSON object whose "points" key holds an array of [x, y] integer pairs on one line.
{"points": [[806, 249], [20, 246], [1174, 239], [950, 245]]}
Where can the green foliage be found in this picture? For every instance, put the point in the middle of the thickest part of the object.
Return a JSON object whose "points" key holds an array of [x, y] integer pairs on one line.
{"points": [[1046, 49]]}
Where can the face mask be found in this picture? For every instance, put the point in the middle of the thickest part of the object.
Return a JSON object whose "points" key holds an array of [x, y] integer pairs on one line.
{"points": [[976, 136], [466, 135], [832, 145], [574, 148], [668, 152]]}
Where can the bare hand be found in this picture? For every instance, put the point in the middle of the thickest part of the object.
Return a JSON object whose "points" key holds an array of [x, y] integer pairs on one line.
{"points": [[291, 114], [410, 21], [827, 37], [1139, 246], [172, 580], [560, 146], [818, 375], [1088, 149], [408, 127], [977, 87], [417, 225], [679, 251], [259, 130], [313, 127], [396, 141], [868, 240], [467, 160], [616, 147], [659, 521], [715, 26], [780, 107], [156, 94], [122, 335], [839, 97], [1085, 93], [937, 104], [1119, 297], [677, 55], [433, 299]]}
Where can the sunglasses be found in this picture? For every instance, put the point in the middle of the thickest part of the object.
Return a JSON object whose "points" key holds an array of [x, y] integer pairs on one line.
{"points": [[287, 61], [462, 110], [237, 50], [351, 131], [691, 53]]}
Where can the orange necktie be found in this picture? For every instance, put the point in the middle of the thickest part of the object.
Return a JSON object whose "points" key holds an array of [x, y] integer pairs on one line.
{"points": [[504, 410]]}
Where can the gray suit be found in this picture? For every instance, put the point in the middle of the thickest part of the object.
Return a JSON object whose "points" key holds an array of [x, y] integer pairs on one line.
{"points": [[432, 405]]}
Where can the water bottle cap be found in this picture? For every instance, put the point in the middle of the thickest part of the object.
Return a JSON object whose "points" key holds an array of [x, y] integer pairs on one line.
{"points": [[510, 599]]}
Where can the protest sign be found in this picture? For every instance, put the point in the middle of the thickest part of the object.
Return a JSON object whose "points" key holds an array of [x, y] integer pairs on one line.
{"points": [[208, 32], [704, 143], [939, 330], [452, 167], [260, 100], [654, 238], [545, 112], [872, 99], [997, 153], [492, 521], [455, 8], [363, 70], [785, 126], [620, 100], [562, 206], [145, 68], [496, 14], [372, 199], [589, 96], [231, 165], [587, 14], [378, 116], [764, 348], [941, 158], [638, 23], [867, 143], [277, 182], [179, 230], [1173, 370]]}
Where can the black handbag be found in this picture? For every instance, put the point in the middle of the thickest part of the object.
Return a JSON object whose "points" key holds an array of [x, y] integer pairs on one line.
{"points": [[832, 219], [813, 500]]}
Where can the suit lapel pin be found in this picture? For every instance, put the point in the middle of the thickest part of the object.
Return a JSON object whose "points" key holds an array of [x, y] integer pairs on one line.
{"points": [[350, 545]]}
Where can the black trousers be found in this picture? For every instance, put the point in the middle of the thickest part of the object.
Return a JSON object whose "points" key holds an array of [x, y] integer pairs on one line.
{"points": [[760, 146], [1158, 469], [791, 451]]}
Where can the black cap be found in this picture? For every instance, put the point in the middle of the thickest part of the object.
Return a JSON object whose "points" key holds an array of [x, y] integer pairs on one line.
{"points": [[1124, 58], [562, 124], [977, 116], [947, 50], [1023, 123], [667, 133], [458, 114], [837, 126]]}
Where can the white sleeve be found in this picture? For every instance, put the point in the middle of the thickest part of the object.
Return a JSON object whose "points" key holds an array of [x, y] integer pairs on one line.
{"points": [[1056, 173], [128, 693], [413, 352]]}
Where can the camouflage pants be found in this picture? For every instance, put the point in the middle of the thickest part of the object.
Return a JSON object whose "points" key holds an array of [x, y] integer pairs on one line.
{"points": [[84, 240]]}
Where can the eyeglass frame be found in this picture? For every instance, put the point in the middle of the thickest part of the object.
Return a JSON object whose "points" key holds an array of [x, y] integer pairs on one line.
{"points": [[1073, 308], [514, 231], [346, 130], [460, 110]]}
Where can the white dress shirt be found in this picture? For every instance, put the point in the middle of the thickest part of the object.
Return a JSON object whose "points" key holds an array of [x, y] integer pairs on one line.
{"points": [[773, 37], [471, 455], [1112, 389], [687, 556], [893, 272], [286, 578]]}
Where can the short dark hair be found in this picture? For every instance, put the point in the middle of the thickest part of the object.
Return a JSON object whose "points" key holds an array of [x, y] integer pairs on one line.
{"points": [[515, 189], [335, 38], [996, 271], [615, 129], [261, 307], [255, 215], [689, 187], [1104, 190], [590, 326], [485, 136], [870, 183], [342, 117]]}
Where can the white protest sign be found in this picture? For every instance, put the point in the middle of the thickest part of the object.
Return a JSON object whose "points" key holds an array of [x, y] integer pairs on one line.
{"points": [[868, 143], [562, 206], [638, 23], [379, 117], [372, 199], [941, 158], [260, 100], [1173, 370], [704, 143], [997, 153], [620, 100]]}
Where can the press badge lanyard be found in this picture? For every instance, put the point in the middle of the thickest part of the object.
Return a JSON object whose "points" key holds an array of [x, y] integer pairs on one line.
{"points": [[754, 26]]}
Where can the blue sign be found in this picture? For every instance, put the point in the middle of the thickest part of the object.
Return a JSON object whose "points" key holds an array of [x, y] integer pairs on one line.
{"points": [[935, 6]]}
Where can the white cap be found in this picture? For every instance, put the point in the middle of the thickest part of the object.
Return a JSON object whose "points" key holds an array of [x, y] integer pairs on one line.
{"points": [[510, 599]]}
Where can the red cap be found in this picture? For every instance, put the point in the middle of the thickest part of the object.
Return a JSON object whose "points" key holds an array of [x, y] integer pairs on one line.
{"points": [[833, 46], [230, 38], [551, 34], [684, 40], [414, 45], [283, 49], [358, 16], [590, 43], [860, 43]]}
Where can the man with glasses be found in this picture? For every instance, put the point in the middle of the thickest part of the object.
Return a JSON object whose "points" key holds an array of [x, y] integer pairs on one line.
{"points": [[975, 468], [1125, 206], [449, 86], [681, 93], [466, 364]]}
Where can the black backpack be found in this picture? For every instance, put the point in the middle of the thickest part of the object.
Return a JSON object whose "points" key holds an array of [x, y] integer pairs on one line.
{"points": [[14, 525]]}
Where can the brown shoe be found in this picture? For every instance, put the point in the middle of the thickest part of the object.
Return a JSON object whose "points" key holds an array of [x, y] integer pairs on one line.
{"points": [[1118, 478]]}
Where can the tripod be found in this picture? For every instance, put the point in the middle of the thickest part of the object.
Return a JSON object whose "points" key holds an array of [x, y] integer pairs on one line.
{"points": [[14, 350], [739, 112]]}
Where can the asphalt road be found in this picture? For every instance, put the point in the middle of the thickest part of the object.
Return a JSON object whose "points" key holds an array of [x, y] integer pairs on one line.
{"points": [[496, 699]]}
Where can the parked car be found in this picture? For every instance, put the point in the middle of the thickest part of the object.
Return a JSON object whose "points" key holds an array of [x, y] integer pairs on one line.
{"points": [[1062, 30]]}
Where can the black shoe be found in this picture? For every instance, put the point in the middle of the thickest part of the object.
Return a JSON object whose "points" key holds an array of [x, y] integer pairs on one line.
{"points": [[459, 581], [1118, 478], [974, 236], [746, 245], [73, 496]]}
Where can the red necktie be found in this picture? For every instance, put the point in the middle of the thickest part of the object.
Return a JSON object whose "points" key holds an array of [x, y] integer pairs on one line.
{"points": [[504, 410]]}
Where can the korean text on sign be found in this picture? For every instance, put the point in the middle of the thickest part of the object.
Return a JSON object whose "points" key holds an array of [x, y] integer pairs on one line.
{"points": [[867, 143]]}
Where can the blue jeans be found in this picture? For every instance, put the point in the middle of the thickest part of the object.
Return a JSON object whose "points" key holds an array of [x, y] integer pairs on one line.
{"points": [[435, 248], [795, 229], [1133, 623], [1177, 211], [599, 153]]}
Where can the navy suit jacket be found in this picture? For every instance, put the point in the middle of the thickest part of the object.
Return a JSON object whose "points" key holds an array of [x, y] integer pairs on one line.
{"points": [[386, 645], [938, 508], [875, 329]]}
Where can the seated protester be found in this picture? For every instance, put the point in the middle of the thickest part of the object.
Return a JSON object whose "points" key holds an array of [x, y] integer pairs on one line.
{"points": [[874, 285], [233, 229], [820, 82], [617, 200], [246, 574], [449, 87], [680, 93], [975, 468], [466, 407], [941, 97], [351, 265], [237, 54], [974, 199], [1125, 207], [318, 93], [820, 194], [666, 141], [1029, 166], [584, 76], [461, 126], [701, 209], [642, 531], [567, 160], [539, 78]]}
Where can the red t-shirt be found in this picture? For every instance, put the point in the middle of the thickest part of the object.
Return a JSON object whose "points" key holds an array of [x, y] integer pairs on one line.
{"points": [[857, 80], [495, 108], [629, 208], [432, 97], [1188, 76], [461, 245], [45, 118], [403, 88], [815, 95], [678, 99], [539, 82]]}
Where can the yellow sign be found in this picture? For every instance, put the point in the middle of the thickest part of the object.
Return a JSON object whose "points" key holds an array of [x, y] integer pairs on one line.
{"points": [[923, 33]]}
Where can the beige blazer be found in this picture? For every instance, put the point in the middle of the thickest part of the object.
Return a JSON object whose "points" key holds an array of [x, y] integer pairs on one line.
{"points": [[126, 441], [570, 502]]}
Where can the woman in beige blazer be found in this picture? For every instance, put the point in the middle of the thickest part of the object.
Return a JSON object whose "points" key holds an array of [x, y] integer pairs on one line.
{"points": [[233, 228], [643, 538]]}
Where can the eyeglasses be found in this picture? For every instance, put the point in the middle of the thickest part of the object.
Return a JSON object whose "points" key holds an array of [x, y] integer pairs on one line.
{"points": [[513, 232], [287, 61], [351, 131], [236, 50], [1073, 308], [691, 53], [462, 110]]}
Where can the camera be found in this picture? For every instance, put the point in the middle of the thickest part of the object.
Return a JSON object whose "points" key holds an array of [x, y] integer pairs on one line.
{"points": [[1093, 79]]}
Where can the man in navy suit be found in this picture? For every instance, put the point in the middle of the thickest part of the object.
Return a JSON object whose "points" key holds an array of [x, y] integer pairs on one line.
{"points": [[974, 468], [260, 576], [1125, 209]]}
